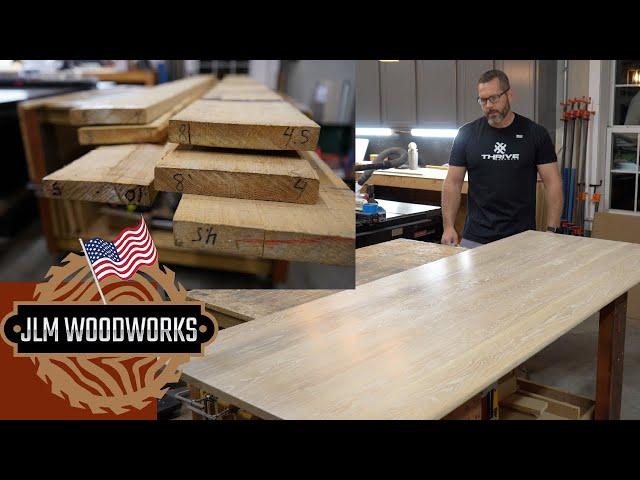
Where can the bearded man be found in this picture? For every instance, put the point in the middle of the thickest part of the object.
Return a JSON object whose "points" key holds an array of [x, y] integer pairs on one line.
{"points": [[503, 152]]}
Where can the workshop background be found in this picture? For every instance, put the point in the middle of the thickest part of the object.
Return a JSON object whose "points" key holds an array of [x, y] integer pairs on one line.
{"points": [[323, 90], [426, 101]]}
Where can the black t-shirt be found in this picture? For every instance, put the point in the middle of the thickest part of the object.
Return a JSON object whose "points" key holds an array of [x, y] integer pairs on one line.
{"points": [[502, 166]]}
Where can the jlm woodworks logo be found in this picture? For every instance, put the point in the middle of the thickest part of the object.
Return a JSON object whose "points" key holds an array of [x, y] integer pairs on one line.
{"points": [[109, 330]]}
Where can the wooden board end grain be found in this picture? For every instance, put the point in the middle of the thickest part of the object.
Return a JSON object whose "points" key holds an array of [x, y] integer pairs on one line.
{"points": [[121, 174], [248, 174], [320, 233], [270, 125], [323, 232]]}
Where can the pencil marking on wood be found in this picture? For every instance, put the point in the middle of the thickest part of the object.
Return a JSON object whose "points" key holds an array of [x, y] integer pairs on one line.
{"points": [[211, 236], [134, 195], [288, 132], [56, 189], [179, 178], [183, 133], [305, 134], [301, 185]]}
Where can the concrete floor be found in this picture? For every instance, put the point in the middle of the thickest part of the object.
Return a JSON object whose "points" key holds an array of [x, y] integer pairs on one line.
{"points": [[570, 364]]}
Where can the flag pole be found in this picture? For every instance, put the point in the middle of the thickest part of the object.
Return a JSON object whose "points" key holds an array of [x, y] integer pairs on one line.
{"points": [[92, 272]]}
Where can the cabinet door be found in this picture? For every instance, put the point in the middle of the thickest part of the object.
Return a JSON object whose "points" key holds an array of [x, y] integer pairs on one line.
{"points": [[522, 77], [368, 93], [546, 93], [436, 93], [468, 72], [398, 91]]}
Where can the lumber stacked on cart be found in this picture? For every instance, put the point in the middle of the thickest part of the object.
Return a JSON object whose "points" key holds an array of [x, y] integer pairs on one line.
{"points": [[141, 106], [251, 184], [121, 174], [127, 122], [259, 175], [244, 120], [51, 142], [135, 115]]}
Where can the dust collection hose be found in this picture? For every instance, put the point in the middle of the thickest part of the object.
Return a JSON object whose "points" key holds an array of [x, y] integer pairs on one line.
{"points": [[382, 162]]}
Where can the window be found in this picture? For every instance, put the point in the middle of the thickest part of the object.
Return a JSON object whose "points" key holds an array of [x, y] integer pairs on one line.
{"points": [[624, 137], [627, 93]]}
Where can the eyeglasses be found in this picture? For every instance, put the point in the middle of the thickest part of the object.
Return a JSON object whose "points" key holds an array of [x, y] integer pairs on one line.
{"points": [[493, 98]]}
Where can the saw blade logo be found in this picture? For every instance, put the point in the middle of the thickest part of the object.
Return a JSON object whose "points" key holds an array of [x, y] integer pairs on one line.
{"points": [[500, 148], [115, 356]]}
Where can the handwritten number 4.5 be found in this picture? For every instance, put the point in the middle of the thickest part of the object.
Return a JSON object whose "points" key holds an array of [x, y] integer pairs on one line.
{"points": [[289, 133]]}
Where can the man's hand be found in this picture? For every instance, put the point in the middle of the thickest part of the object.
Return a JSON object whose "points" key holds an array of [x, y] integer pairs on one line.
{"points": [[451, 193], [450, 237]]}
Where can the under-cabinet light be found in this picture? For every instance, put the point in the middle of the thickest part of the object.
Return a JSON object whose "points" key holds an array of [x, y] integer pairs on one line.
{"points": [[371, 132], [435, 132]]}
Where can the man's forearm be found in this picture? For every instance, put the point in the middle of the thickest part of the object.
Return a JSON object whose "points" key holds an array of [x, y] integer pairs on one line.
{"points": [[451, 194], [554, 200]]}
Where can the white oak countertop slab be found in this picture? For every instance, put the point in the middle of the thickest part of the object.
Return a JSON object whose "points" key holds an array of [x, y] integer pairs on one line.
{"points": [[417, 344]]}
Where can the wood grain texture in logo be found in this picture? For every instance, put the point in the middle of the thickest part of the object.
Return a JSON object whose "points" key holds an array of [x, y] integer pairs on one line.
{"points": [[109, 382]]}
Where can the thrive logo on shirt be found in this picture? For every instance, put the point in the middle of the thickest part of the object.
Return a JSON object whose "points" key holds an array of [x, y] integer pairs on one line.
{"points": [[500, 153], [502, 166]]}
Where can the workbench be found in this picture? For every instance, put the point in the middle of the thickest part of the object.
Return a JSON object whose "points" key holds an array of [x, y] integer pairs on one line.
{"points": [[51, 141], [424, 185], [402, 220], [233, 307], [424, 342]]}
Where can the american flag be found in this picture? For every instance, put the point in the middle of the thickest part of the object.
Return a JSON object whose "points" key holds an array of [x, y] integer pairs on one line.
{"points": [[131, 249]]}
